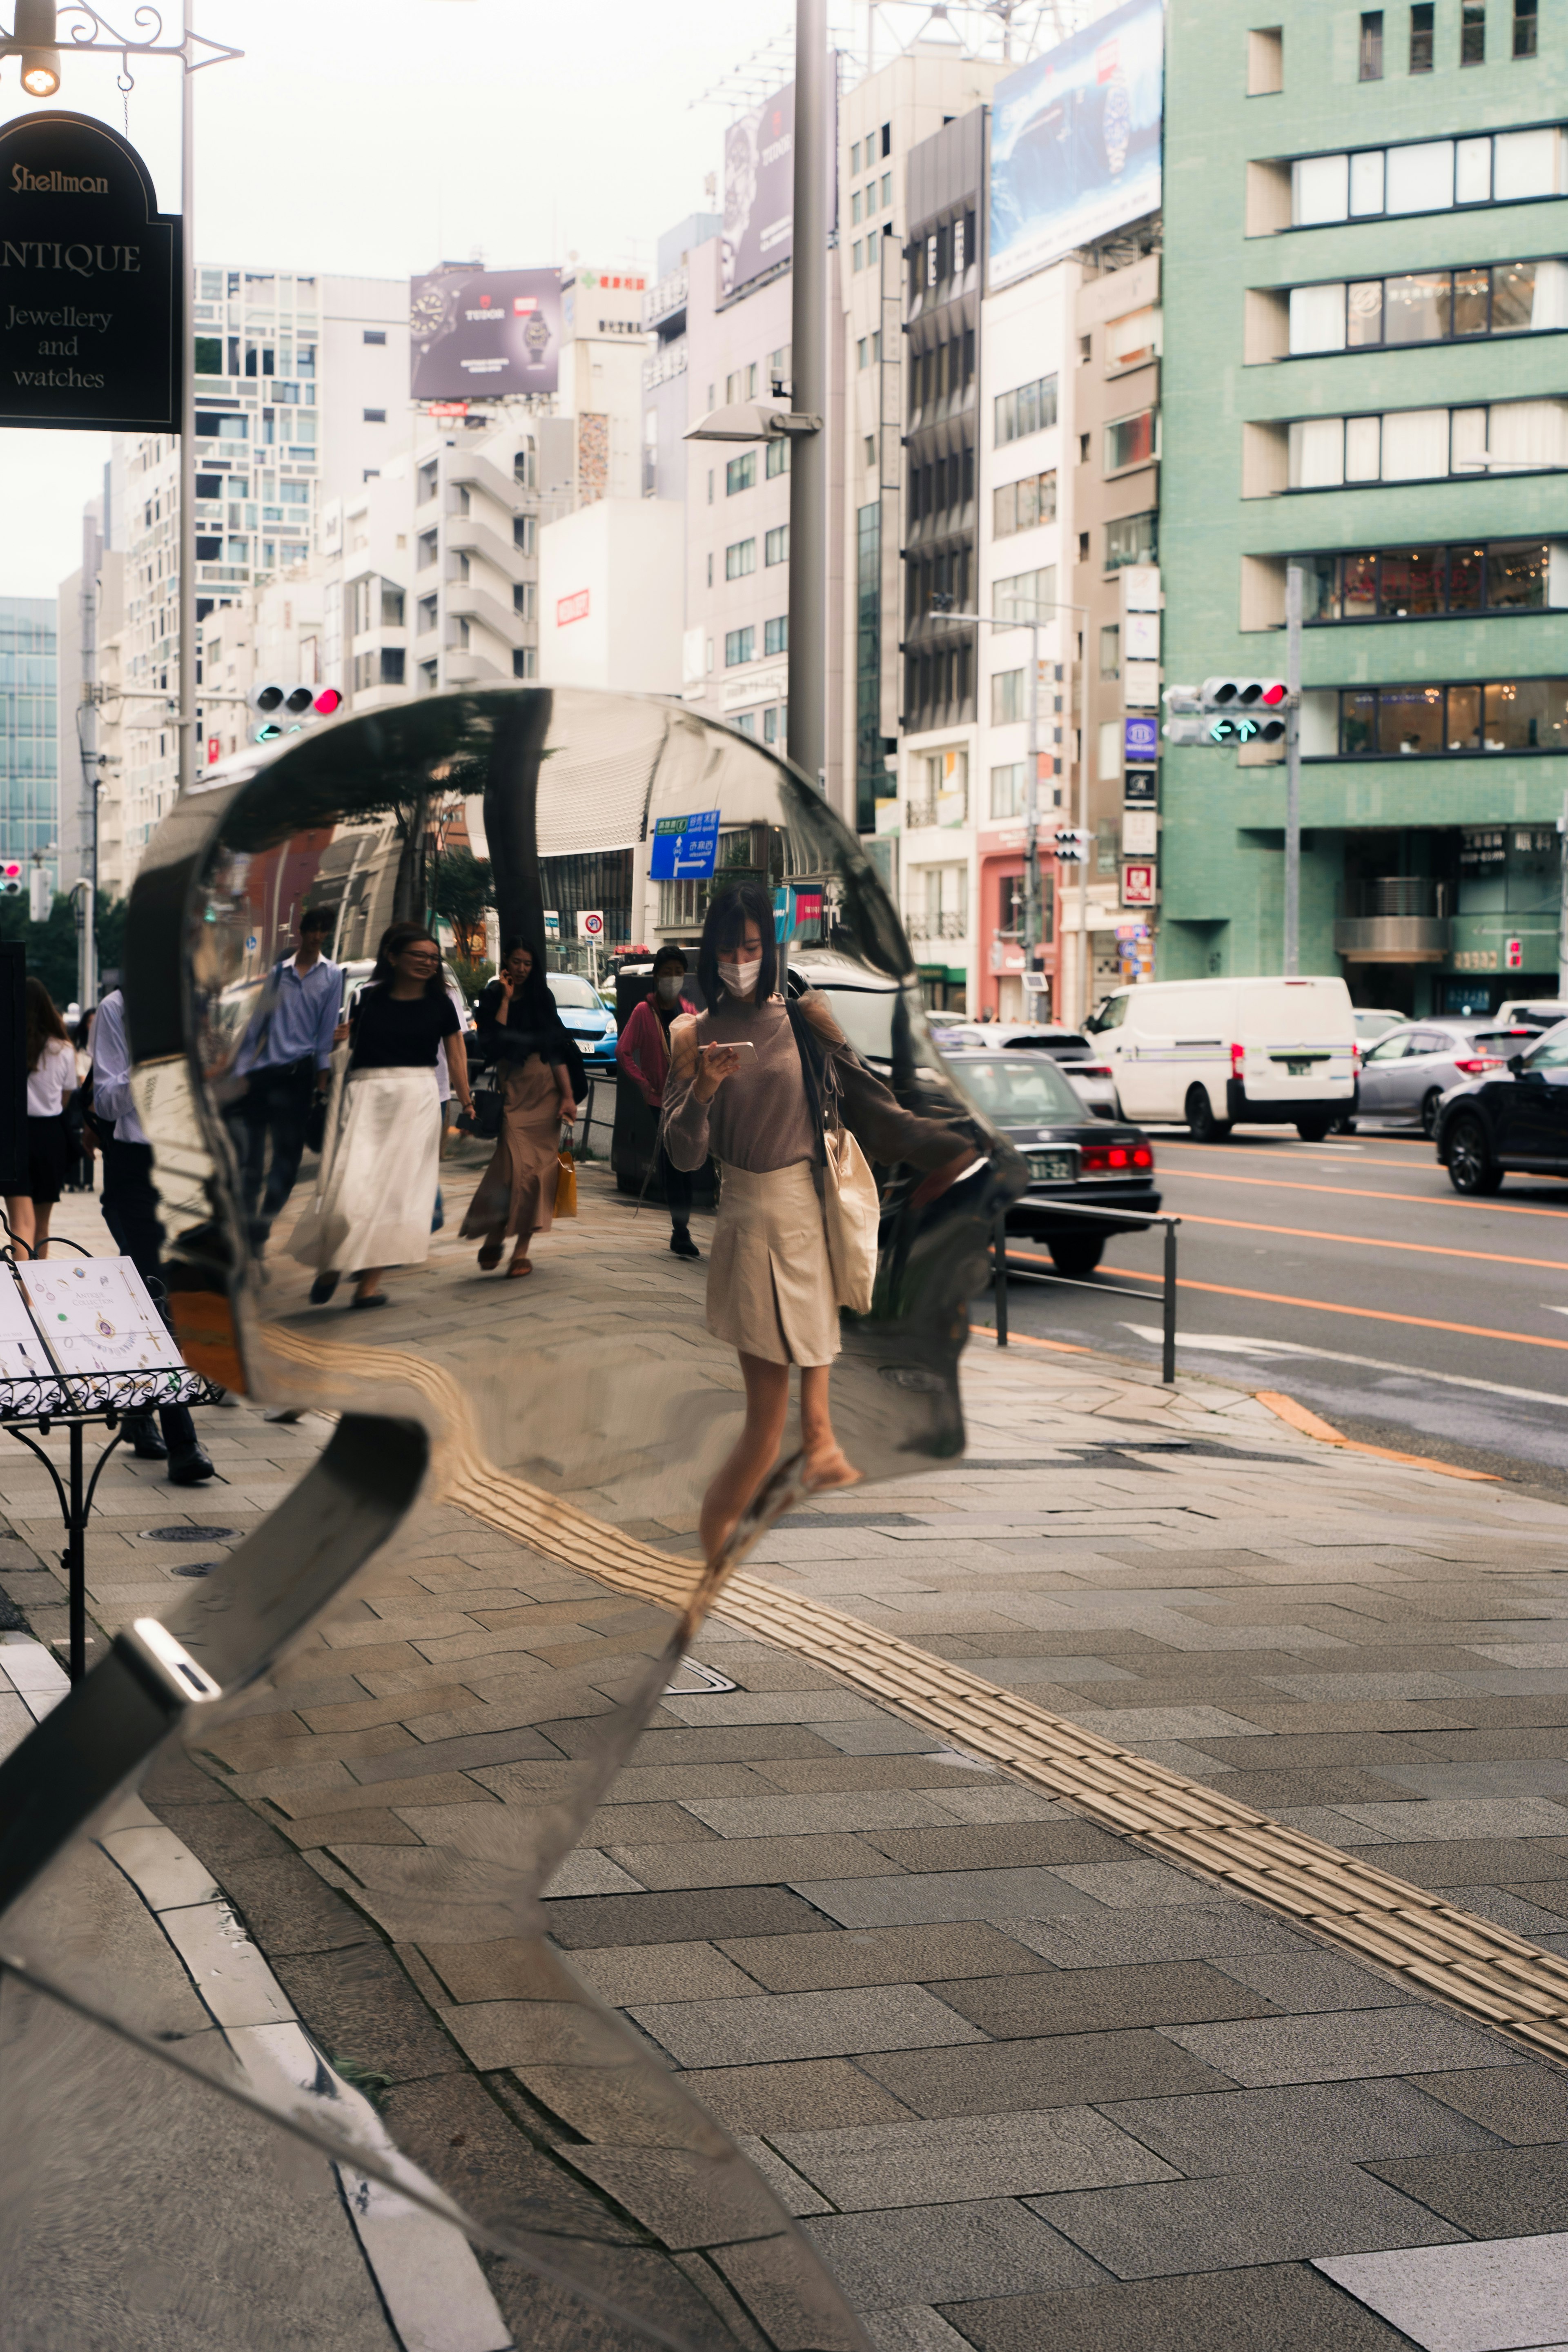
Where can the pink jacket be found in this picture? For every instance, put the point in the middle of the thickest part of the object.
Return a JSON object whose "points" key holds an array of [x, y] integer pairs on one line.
{"points": [[642, 1052]]}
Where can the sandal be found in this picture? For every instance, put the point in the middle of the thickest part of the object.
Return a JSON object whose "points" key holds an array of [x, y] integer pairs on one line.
{"points": [[518, 1268], [490, 1257]]}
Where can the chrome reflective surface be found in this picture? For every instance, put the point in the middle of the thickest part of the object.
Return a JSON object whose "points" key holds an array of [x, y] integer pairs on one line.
{"points": [[437, 1655]]}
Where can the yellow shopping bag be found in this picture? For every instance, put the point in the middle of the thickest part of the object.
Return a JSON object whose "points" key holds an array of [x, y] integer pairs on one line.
{"points": [[566, 1185]]}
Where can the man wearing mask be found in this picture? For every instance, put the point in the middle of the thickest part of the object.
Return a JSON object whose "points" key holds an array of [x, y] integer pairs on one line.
{"points": [[131, 1212], [642, 1051], [286, 1059]]}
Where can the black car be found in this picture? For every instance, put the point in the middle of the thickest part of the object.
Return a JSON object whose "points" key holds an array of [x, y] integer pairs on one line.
{"points": [[1515, 1121], [1071, 1155]]}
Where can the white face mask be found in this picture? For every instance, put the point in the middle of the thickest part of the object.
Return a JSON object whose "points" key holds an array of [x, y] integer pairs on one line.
{"points": [[668, 987], [740, 979]]}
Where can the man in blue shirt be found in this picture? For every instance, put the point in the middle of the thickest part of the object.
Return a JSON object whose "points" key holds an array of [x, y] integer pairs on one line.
{"points": [[286, 1059]]}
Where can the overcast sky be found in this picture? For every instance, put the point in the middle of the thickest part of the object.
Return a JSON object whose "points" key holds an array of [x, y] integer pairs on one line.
{"points": [[380, 136]]}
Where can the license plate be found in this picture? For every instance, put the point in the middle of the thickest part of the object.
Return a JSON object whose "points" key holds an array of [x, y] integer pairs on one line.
{"points": [[1050, 1167], [1298, 1069]]}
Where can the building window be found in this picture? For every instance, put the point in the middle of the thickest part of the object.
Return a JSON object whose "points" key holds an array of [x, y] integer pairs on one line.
{"points": [[1422, 584], [741, 473], [428, 611], [525, 600], [1526, 27], [1130, 441], [1111, 651], [776, 545], [1428, 444], [392, 660], [1509, 298], [776, 634], [426, 547], [1421, 48], [857, 261], [209, 355], [375, 334], [1429, 175], [1008, 789], [1006, 696], [740, 559], [1026, 596], [427, 477], [1028, 409], [429, 677], [1133, 539], [525, 661], [1523, 714], [210, 550], [525, 534], [1019, 506], [1472, 32], [739, 646], [375, 417], [1372, 45], [777, 457]]}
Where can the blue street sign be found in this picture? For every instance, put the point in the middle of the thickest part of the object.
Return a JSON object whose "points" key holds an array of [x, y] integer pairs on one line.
{"points": [[685, 848], [1141, 740]]}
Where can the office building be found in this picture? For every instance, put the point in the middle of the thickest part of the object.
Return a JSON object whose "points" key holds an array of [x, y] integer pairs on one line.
{"points": [[1364, 295], [29, 786]]}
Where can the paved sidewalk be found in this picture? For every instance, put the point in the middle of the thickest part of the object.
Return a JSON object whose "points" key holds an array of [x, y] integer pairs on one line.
{"points": [[1025, 2084]]}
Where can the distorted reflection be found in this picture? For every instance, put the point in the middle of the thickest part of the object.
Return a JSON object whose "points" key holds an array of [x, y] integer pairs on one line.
{"points": [[436, 1656]]}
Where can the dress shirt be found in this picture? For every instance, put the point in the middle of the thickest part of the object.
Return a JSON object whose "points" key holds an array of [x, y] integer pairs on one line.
{"points": [[52, 1081], [112, 1071], [304, 1012]]}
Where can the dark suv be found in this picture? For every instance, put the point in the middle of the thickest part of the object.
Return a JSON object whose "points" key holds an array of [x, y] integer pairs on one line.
{"points": [[1516, 1120]]}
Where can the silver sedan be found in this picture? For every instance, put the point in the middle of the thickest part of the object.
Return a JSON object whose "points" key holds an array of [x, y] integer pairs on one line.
{"points": [[1405, 1075], [1093, 1081]]}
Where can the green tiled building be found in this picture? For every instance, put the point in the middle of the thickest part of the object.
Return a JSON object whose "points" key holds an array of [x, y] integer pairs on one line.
{"points": [[1366, 367]]}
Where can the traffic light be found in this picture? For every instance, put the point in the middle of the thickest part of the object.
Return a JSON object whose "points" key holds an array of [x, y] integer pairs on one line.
{"points": [[1234, 710], [285, 710], [40, 898], [11, 877], [1071, 846]]}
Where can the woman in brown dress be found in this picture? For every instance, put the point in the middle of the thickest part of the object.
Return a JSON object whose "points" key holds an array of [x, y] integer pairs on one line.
{"points": [[521, 1030], [738, 1087]]}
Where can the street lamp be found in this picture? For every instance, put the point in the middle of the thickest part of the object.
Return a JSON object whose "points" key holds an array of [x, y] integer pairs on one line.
{"points": [[35, 39], [940, 605]]}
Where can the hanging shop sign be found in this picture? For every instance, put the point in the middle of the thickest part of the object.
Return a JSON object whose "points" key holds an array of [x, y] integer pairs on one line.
{"points": [[91, 327]]}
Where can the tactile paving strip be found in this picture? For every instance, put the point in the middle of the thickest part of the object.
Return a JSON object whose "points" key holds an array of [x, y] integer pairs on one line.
{"points": [[1459, 1958]]}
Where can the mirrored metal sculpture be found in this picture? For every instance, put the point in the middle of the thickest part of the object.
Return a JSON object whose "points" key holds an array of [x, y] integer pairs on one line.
{"points": [[423, 1673]]}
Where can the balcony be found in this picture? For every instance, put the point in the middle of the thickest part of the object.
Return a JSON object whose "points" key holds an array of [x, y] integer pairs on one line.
{"points": [[1395, 919], [951, 924]]}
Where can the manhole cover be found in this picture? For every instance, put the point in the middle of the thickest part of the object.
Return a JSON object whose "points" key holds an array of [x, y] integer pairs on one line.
{"points": [[193, 1567], [185, 1535]]}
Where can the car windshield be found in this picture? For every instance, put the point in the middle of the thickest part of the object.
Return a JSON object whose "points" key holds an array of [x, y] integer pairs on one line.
{"points": [[1551, 1053], [573, 993], [865, 1017], [1020, 1090]]}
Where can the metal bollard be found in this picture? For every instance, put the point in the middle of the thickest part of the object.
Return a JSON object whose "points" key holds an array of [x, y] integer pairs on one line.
{"points": [[999, 1276], [1168, 1365]]}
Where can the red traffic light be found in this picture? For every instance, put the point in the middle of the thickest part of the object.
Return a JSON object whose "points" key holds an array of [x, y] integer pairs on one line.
{"points": [[327, 701]]}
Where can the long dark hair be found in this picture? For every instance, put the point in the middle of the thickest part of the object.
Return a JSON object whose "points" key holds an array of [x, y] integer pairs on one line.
{"points": [[728, 915], [394, 940], [534, 999], [43, 1021]]}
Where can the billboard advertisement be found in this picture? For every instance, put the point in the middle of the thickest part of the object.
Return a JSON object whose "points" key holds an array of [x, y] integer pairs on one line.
{"points": [[484, 335], [759, 191], [1075, 141]]}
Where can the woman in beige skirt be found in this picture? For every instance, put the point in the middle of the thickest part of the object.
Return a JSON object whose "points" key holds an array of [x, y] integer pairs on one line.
{"points": [[521, 1030], [737, 1087]]}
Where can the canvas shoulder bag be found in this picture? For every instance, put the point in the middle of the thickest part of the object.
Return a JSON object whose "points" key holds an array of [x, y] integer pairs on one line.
{"points": [[851, 1210]]}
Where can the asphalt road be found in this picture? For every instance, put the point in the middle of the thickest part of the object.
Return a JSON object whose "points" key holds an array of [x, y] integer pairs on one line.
{"points": [[1350, 1275]]}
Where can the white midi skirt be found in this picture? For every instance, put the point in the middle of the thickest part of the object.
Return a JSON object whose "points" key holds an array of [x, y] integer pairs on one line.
{"points": [[376, 1193], [769, 1284]]}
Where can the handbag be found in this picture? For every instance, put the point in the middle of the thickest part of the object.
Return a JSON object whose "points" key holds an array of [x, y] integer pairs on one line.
{"points": [[566, 1185], [851, 1209], [486, 1119]]}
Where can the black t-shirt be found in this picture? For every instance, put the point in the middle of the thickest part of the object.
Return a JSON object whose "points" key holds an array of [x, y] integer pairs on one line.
{"points": [[392, 1032]]}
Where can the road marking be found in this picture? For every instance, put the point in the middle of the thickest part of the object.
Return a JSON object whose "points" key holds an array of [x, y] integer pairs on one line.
{"points": [[1218, 1343], [1368, 1192], [1364, 1241], [1329, 1306], [1227, 1151], [1297, 1417]]}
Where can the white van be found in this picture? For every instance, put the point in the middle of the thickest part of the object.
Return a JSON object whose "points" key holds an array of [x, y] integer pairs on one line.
{"points": [[1213, 1051]]}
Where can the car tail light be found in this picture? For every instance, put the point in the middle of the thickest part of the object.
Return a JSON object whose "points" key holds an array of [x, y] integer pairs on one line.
{"points": [[1090, 1069], [1355, 1060], [1237, 1060], [1094, 1159], [1141, 1155], [1476, 1063], [1113, 1158]]}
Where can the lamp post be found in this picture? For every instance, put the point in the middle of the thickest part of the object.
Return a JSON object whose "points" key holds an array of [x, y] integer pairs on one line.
{"points": [[1033, 926]]}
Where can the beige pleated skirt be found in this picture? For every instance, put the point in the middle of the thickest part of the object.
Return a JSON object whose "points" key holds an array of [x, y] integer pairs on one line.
{"points": [[770, 1286], [377, 1193]]}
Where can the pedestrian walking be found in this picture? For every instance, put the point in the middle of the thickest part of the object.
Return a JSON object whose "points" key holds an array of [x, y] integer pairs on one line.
{"points": [[51, 1082], [80, 1141], [285, 1060], [642, 1051], [753, 1079], [130, 1212], [541, 1083], [380, 1167]]}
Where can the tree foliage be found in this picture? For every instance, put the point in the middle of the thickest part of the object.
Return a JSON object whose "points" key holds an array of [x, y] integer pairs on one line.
{"points": [[461, 888], [51, 946]]}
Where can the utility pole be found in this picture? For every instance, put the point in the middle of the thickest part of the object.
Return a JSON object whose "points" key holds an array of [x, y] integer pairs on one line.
{"points": [[807, 725], [1562, 917], [187, 728], [1293, 771], [1033, 926]]}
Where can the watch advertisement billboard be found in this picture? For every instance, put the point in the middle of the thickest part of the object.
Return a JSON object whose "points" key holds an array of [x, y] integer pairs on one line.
{"points": [[759, 191], [1075, 141], [484, 335]]}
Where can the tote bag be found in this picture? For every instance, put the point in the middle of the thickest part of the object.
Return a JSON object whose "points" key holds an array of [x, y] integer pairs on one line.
{"points": [[850, 1212], [566, 1185]]}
